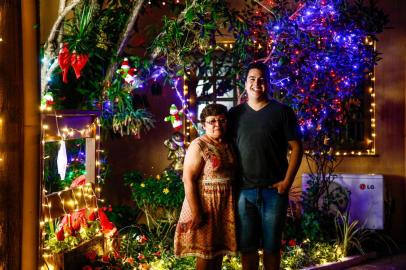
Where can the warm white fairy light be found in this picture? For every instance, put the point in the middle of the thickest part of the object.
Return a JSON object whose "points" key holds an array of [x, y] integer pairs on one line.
{"points": [[74, 199], [370, 142]]}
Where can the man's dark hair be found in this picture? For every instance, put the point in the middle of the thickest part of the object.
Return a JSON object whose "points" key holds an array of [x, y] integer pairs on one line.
{"points": [[262, 67], [212, 110]]}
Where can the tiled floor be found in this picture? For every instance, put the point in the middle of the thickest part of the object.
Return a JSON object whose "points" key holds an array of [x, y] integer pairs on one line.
{"points": [[396, 262]]}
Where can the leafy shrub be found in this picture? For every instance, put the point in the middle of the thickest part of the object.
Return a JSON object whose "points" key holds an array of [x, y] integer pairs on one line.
{"points": [[308, 253], [163, 191], [123, 216]]}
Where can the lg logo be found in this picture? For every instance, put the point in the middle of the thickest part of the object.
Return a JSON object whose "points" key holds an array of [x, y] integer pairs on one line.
{"points": [[363, 186]]}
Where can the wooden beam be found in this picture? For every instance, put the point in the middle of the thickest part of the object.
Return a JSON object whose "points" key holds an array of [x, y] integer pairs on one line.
{"points": [[29, 74]]}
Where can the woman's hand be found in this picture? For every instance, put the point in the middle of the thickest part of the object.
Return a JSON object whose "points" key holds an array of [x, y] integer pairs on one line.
{"points": [[282, 187], [198, 220]]}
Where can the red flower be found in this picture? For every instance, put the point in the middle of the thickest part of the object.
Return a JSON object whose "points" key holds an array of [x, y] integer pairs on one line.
{"points": [[105, 258], [142, 239], [283, 242], [87, 267], [91, 256], [130, 260], [140, 256], [292, 243], [60, 235], [158, 254], [143, 266], [76, 224]]}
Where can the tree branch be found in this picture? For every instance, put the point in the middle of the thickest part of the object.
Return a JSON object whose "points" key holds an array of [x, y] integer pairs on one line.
{"points": [[130, 25], [181, 16], [50, 51], [125, 36], [61, 16]]}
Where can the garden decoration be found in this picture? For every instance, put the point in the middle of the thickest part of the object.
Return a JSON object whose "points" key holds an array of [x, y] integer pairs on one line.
{"points": [[70, 216], [67, 59], [177, 151], [62, 160], [128, 73], [85, 38], [175, 117]]}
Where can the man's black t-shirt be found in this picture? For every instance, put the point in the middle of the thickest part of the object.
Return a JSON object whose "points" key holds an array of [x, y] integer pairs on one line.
{"points": [[261, 139]]}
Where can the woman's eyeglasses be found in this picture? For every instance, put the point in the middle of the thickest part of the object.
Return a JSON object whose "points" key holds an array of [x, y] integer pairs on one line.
{"points": [[214, 121]]}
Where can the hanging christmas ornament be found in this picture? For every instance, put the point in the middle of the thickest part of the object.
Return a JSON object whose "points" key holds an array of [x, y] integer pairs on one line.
{"points": [[78, 62], [62, 160], [64, 61], [128, 73], [174, 117]]}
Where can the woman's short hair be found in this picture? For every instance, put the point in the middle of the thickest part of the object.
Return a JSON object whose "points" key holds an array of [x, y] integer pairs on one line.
{"points": [[212, 110]]}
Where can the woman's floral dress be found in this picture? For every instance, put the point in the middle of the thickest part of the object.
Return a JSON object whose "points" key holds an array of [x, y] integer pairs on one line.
{"points": [[217, 236]]}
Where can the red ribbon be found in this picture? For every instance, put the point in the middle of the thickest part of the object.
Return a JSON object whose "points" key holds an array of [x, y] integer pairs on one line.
{"points": [[66, 59]]}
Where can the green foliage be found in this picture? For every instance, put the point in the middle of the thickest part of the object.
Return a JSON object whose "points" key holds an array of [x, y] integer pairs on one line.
{"points": [[348, 233], [189, 41], [53, 245], [308, 253], [158, 198], [315, 226], [123, 216], [121, 115], [354, 237], [170, 262], [140, 244], [94, 29], [322, 198], [132, 122], [81, 31], [163, 191], [231, 263]]}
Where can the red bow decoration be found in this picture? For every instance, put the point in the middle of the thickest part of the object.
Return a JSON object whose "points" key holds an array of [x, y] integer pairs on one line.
{"points": [[107, 226], [66, 59]]}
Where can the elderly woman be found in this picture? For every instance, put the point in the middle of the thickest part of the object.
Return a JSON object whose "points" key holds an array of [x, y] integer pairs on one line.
{"points": [[206, 227]]}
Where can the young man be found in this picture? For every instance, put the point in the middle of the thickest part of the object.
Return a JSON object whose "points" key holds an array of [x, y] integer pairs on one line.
{"points": [[263, 129]]}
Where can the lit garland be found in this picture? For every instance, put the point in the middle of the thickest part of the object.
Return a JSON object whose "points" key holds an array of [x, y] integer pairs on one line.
{"points": [[185, 101], [71, 200]]}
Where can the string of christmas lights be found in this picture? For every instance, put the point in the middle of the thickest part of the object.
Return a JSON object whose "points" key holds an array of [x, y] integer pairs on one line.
{"points": [[70, 201], [318, 62]]}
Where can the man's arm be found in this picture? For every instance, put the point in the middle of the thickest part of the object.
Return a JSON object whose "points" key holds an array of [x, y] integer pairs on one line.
{"points": [[294, 164]]}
